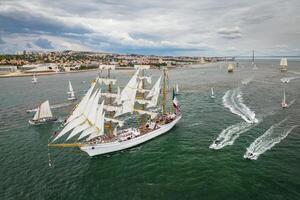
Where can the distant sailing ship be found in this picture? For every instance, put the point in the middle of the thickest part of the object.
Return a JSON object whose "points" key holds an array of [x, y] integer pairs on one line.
{"points": [[34, 79], [283, 103], [97, 124], [43, 114], [212, 93], [71, 93], [230, 67], [254, 67], [283, 64]]}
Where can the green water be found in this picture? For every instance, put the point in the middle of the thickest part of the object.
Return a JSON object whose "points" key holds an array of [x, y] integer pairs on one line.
{"points": [[177, 165]]}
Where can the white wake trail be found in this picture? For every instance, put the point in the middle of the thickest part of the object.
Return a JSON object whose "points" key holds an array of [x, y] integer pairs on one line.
{"points": [[230, 134], [272, 136], [233, 100]]}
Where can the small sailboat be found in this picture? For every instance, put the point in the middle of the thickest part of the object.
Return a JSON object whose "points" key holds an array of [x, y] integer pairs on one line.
{"points": [[71, 93], [212, 93], [43, 114], [177, 89], [283, 64], [283, 103], [254, 67], [230, 68], [34, 79]]}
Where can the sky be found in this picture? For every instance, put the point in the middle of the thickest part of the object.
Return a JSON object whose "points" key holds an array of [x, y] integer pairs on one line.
{"points": [[157, 27]]}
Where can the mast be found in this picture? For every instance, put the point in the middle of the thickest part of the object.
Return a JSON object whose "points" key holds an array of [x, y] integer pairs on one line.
{"points": [[164, 92], [252, 57]]}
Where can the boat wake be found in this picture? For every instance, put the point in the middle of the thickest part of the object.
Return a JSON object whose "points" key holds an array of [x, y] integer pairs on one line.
{"points": [[246, 81], [272, 136], [288, 79], [233, 100], [291, 103], [230, 134]]}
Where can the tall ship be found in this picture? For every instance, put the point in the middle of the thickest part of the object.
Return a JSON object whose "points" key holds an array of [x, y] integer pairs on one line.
{"points": [[230, 68], [108, 120], [254, 67], [283, 64]]}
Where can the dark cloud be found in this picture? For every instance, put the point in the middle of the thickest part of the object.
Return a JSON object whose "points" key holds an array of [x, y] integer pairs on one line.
{"points": [[43, 43], [1, 41], [230, 33], [29, 46]]}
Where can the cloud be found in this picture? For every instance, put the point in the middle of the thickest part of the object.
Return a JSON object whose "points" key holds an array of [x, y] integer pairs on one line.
{"points": [[29, 46], [174, 27], [1, 41], [43, 43], [230, 32]]}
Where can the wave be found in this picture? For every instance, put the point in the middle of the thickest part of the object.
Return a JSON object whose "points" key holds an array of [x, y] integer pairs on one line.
{"points": [[288, 79], [272, 136], [230, 134], [233, 100], [246, 81]]}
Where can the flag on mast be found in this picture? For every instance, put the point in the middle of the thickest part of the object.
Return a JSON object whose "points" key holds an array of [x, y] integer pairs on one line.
{"points": [[175, 102]]}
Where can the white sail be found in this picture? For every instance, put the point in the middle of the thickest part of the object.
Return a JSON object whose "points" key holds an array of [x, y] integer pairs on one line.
{"points": [[107, 67], [283, 62], [177, 88], [90, 115], [154, 94], [119, 122], [107, 81], [112, 108], [34, 79], [37, 113], [118, 100], [142, 112], [284, 98], [71, 91], [95, 123], [142, 101], [142, 67], [44, 110], [147, 78], [82, 105], [82, 118], [128, 95], [100, 128], [212, 92]]}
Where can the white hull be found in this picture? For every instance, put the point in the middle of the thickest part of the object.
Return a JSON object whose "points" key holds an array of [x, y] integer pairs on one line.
{"points": [[71, 98], [104, 148]]}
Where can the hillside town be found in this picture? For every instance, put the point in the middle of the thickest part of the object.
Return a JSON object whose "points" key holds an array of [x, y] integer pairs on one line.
{"points": [[66, 61]]}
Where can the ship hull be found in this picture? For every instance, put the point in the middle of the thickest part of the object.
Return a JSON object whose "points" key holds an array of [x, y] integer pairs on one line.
{"points": [[42, 121], [104, 148]]}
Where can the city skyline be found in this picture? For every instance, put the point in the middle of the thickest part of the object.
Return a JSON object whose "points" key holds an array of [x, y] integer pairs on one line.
{"points": [[191, 28]]}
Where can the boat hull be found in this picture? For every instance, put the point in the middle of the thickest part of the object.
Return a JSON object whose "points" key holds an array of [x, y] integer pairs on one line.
{"points": [[104, 148], [44, 121]]}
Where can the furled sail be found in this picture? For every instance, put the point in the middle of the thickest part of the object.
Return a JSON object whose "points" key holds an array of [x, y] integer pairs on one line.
{"points": [[107, 67], [107, 81]]}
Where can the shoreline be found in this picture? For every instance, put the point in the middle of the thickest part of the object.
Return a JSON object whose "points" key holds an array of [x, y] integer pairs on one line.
{"points": [[20, 74]]}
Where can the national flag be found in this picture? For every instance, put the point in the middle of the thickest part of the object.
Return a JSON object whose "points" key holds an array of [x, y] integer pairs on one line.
{"points": [[175, 102]]}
